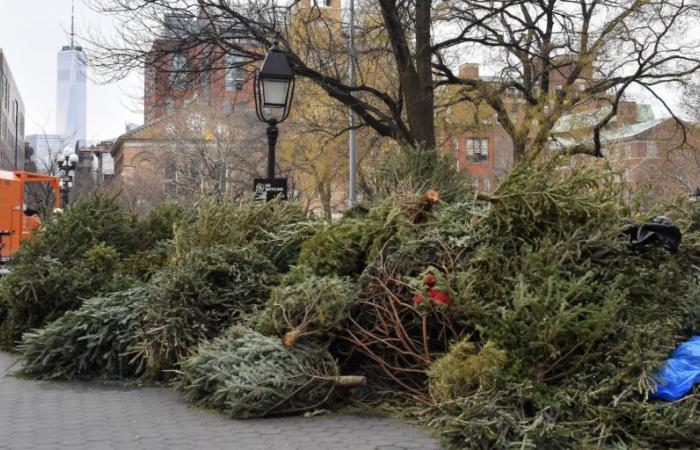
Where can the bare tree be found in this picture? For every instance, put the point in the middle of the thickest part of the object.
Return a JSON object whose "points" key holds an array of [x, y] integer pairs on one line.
{"points": [[215, 154], [595, 51], [41, 196]]}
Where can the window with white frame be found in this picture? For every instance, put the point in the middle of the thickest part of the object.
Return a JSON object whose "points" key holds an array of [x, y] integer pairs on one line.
{"points": [[628, 151], [477, 149], [486, 184], [652, 149]]}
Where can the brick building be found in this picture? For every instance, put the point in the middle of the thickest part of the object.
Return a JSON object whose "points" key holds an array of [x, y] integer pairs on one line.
{"points": [[201, 84], [206, 74], [648, 151]]}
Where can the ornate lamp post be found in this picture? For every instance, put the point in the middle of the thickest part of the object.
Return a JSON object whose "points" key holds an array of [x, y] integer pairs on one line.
{"points": [[274, 89], [67, 163]]}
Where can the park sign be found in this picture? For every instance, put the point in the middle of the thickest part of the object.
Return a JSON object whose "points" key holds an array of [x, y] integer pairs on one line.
{"points": [[266, 189]]}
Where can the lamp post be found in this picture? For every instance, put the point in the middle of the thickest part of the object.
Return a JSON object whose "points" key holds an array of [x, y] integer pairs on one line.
{"points": [[695, 196], [274, 89], [67, 163]]}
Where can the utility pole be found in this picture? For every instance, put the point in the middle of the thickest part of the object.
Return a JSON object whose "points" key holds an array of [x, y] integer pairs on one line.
{"points": [[352, 192]]}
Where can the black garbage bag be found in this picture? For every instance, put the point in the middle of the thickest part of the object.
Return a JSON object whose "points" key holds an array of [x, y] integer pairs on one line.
{"points": [[661, 231]]}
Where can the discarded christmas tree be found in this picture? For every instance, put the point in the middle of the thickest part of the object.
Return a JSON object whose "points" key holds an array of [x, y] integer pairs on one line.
{"points": [[245, 374]]}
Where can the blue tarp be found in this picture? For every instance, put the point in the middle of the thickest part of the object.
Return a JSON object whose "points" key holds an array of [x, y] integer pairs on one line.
{"points": [[681, 372]]}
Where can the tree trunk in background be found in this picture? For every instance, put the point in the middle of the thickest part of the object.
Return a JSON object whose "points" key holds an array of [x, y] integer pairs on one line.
{"points": [[415, 70]]}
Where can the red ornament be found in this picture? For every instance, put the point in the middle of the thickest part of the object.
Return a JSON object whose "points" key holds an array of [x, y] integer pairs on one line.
{"points": [[439, 297], [430, 280], [417, 298]]}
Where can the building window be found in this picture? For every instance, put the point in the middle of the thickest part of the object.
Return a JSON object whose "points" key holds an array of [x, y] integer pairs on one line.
{"points": [[145, 165], [177, 71], [228, 107], [170, 179], [486, 184], [169, 106], [652, 149], [196, 175], [477, 149], [628, 151], [221, 176], [234, 72]]}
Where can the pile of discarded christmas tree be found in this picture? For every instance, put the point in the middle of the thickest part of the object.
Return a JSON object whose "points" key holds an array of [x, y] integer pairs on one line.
{"points": [[525, 318]]}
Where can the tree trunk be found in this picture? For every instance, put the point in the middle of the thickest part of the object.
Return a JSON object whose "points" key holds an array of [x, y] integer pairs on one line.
{"points": [[324, 193], [415, 70], [421, 117]]}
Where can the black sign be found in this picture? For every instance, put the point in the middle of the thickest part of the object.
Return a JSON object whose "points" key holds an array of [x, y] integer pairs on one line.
{"points": [[266, 190]]}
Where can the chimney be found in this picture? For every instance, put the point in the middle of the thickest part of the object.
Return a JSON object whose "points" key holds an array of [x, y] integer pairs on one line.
{"points": [[626, 112], [469, 71]]}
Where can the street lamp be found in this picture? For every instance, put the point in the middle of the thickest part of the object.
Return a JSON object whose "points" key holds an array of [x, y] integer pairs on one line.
{"points": [[67, 163], [695, 196], [274, 88]]}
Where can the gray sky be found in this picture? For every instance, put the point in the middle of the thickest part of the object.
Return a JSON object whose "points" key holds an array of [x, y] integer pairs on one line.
{"points": [[33, 31], [31, 34]]}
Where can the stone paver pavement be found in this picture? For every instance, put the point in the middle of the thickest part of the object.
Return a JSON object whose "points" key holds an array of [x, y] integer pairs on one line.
{"points": [[42, 415]]}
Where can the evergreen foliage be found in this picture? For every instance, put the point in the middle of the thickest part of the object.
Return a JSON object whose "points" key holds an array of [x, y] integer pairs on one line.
{"points": [[306, 306], [337, 249], [154, 326], [90, 342], [158, 224], [525, 319], [89, 250], [585, 320], [276, 229], [210, 290], [415, 170], [464, 369], [245, 374], [42, 288]]}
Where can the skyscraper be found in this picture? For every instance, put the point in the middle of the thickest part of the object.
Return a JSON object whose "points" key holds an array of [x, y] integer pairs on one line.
{"points": [[71, 101]]}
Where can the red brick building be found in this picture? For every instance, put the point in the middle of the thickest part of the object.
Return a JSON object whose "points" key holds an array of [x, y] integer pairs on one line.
{"points": [[208, 75], [648, 151]]}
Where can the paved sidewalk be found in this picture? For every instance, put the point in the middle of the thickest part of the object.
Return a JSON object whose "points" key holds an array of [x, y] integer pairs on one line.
{"points": [[42, 415]]}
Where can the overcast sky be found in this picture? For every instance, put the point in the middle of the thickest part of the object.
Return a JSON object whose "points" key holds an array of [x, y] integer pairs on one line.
{"points": [[31, 34], [33, 31]]}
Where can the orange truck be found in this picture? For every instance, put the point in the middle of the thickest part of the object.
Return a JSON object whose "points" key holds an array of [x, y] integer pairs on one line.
{"points": [[17, 223]]}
